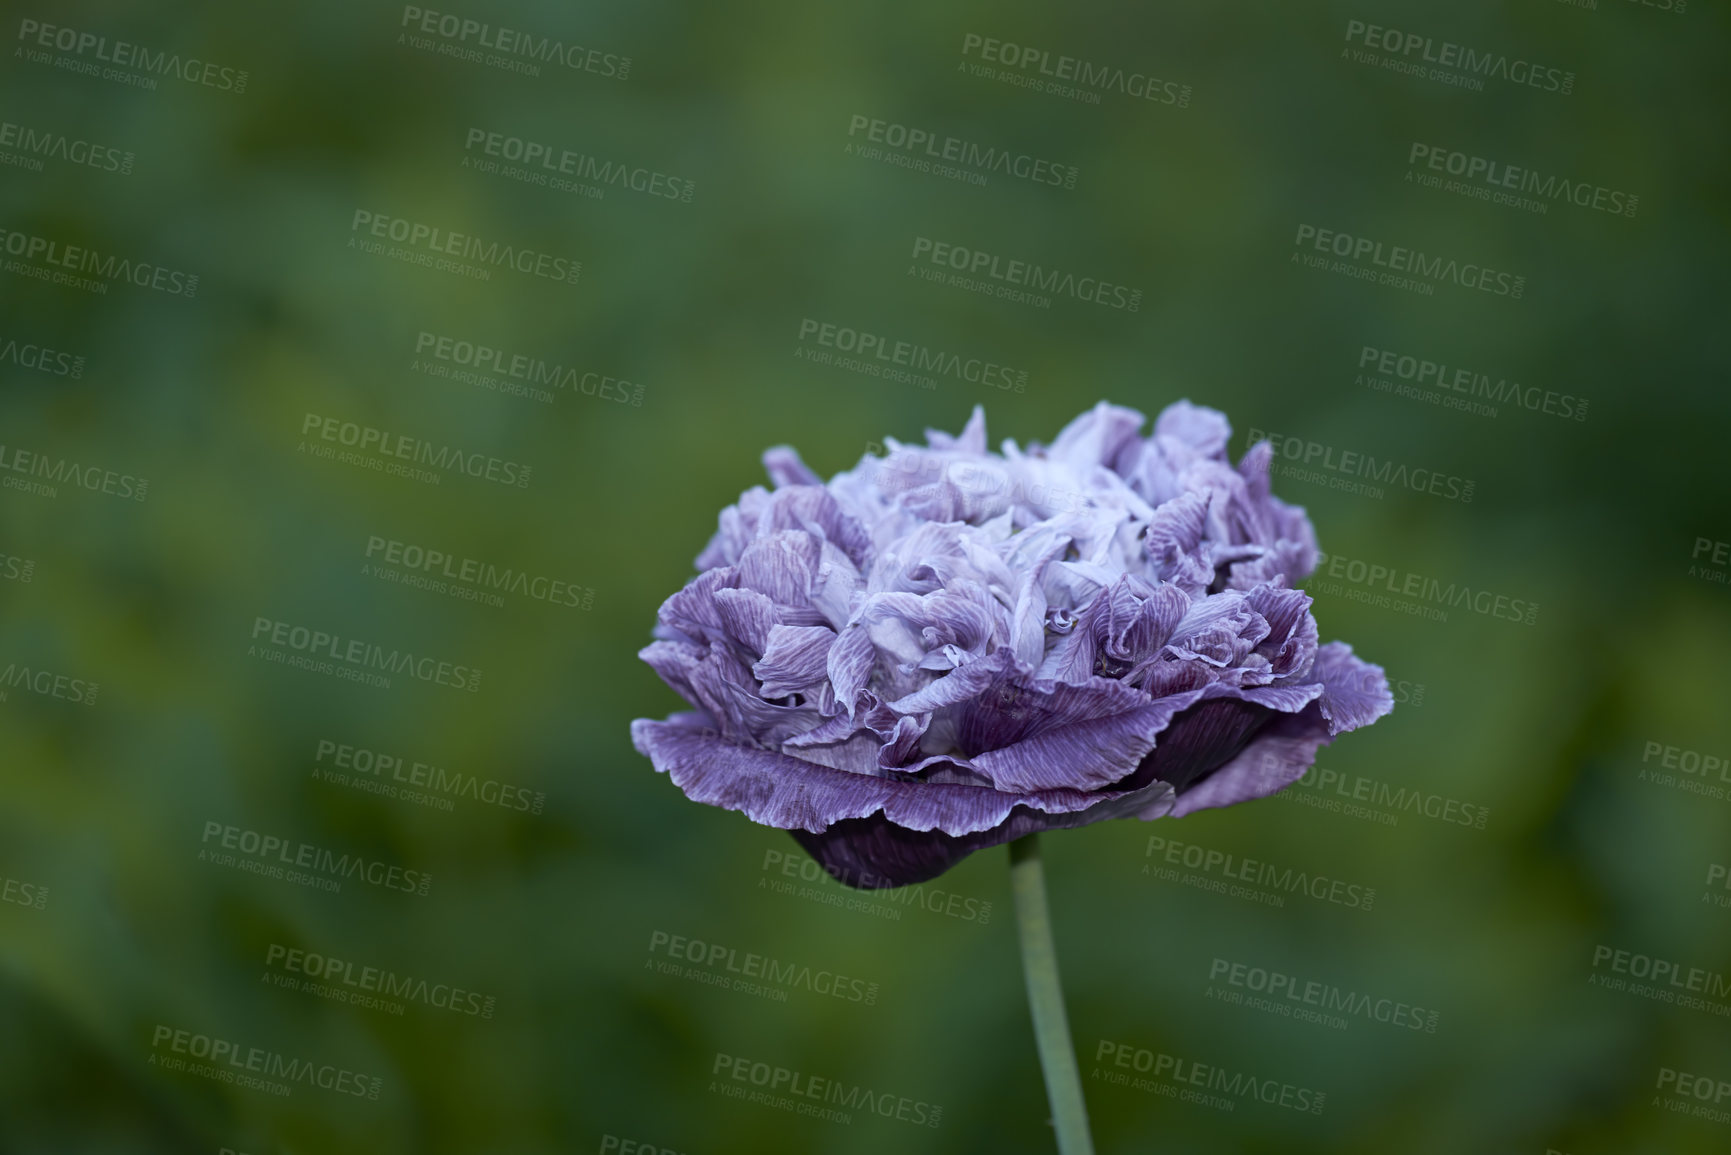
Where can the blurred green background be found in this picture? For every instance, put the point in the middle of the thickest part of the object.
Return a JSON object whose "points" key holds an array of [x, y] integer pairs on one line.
{"points": [[125, 939]]}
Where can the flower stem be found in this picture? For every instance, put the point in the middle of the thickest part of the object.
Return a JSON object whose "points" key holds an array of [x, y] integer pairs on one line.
{"points": [[1046, 998]]}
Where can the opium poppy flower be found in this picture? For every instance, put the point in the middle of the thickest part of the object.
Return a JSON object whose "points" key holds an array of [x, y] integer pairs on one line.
{"points": [[945, 648]]}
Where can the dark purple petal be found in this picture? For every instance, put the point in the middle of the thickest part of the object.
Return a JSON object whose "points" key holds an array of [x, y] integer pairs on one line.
{"points": [[1200, 739], [1277, 757], [1290, 645], [874, 853]]}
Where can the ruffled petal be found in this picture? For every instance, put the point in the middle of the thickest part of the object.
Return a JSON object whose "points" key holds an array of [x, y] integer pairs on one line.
{"points": [[1354, 692], [778, 790], [1276, 758], [794, 658]]}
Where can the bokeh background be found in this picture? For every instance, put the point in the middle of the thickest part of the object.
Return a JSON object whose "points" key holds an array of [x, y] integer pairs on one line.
{"points": [[1591, 740]]}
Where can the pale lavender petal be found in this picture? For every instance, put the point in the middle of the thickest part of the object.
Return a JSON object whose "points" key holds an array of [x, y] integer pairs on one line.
{"points": [[850, 664], [747, 616], [1096, 437], [784, 466], [1091, 754], [780, 566], [1205, 431], [971, 440], [814, 510], [795, 657], [957, 685], [1354, 692]]}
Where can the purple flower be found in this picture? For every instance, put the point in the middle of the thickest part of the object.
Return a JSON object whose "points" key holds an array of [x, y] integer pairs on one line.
{"points": [[946, 648]]}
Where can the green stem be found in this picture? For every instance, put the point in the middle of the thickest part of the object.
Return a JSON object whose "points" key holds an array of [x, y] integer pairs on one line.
{"points": [[1046, 998]]}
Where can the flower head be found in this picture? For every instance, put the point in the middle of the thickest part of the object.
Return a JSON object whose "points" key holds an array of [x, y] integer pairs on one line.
{"points": [[946, 648]]}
